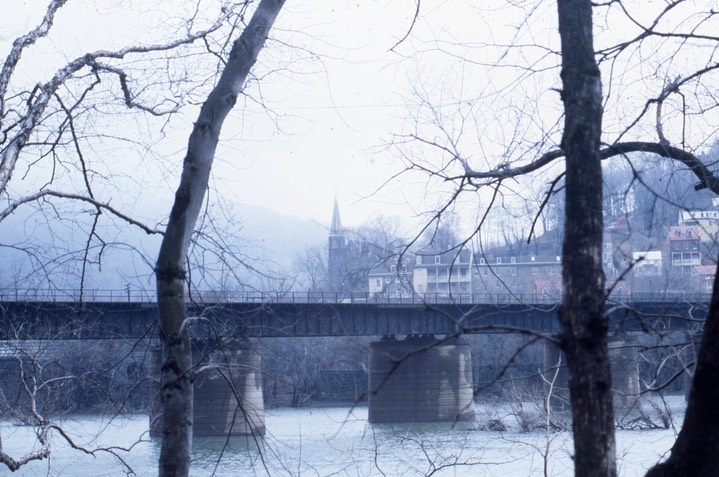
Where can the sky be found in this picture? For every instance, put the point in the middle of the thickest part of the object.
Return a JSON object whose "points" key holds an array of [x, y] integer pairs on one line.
{"points": [[335, 107], [333, 89], [338, 117], [335, 117], [329, 117]]}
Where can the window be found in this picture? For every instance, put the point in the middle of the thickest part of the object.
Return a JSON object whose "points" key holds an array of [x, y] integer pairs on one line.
{"points": [[387, 280], [418, 260], [437, 259], [378, 282], [534, 270], [482, 261], [689, 233], [499, 260], [514, 260], [514, 271], [485, 272]]}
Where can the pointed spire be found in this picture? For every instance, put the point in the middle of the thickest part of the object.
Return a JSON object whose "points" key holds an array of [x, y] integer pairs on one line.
{"points": [[336, 227]]}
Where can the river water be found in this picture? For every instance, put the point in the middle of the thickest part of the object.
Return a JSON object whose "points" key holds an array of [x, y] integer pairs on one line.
{"points": [[334, 442]]}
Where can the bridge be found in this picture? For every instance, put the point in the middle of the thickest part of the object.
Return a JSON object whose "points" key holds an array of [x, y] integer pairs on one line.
{"points": [[124, 315], [419, 370]]}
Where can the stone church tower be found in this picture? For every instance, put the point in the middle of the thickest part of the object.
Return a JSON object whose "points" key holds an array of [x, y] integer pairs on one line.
{"points": [[337, 254]]}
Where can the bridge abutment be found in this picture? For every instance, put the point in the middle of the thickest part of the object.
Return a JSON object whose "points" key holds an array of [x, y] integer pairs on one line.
{"points": [[420, 379], [227, 392]]}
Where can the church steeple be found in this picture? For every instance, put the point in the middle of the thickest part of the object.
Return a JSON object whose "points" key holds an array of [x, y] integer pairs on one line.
{"points": [[337, 253], [336, 227]]}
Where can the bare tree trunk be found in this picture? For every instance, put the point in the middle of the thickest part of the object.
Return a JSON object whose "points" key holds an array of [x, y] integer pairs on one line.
{"points": [[176, 373], [696, 450], [584, 324]]}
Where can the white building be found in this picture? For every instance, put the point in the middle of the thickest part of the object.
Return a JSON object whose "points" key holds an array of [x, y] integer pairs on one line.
{"points": [[443, 273]]}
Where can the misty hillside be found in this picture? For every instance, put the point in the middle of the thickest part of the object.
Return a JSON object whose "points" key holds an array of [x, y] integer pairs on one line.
{"points": [[34, 254], [281, 238]]}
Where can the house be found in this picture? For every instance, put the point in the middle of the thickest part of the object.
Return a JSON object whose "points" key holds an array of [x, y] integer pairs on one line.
{"points": [[706, 278], [527, 277], [647, 263], [444, 273], [684, 243], [390, 279]]}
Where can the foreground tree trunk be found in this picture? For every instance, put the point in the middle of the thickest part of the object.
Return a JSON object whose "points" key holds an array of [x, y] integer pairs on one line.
{"points": [[696, 450], [583, 322], [176, 373]]}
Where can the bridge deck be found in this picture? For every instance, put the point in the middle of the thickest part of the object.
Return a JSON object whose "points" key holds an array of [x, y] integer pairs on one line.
{"points": [[117, 320]]}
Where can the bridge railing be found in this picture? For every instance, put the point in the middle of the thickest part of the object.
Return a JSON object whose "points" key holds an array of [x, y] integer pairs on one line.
{"points": [[75, 295], [136, 295]]}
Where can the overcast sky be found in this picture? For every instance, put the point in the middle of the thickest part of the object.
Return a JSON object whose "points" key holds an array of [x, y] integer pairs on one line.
{"points": [[333, 111], [330, 117], [338, 92], [334, 89]]}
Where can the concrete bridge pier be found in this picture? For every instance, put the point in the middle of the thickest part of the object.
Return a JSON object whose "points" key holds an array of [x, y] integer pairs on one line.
{"points": [[690, 356], [624, 363], [420, 379], [227, 391]]}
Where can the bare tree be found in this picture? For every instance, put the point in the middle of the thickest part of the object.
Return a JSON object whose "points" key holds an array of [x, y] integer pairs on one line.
{"points": [[43, 133], [584, 323], [673, 119], [176, 374], [311, 268], [52, 139], [43, 380], [443, 235]]}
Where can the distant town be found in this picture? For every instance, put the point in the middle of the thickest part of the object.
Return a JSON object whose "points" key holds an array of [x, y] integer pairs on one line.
{"points": [[671, 259]]}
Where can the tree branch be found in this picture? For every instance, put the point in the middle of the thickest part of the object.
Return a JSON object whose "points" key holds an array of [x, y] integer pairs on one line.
{"points": [[707, 178], [23, 42], [66, 195], [30, 120]]}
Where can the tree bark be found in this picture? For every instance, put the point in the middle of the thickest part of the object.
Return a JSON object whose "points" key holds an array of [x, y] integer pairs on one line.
{"points": [[583, 321], [696, 450], [176, 371]]}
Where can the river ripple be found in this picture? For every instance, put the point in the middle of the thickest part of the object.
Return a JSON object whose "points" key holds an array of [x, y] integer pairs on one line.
{"points": [[333, 441]]}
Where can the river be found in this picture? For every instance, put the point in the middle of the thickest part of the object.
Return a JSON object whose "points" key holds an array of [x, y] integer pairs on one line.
{"points": [[334, 442]]}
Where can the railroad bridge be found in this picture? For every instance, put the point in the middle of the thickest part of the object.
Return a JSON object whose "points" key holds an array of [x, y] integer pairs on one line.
{"points": [[419, 369]]}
